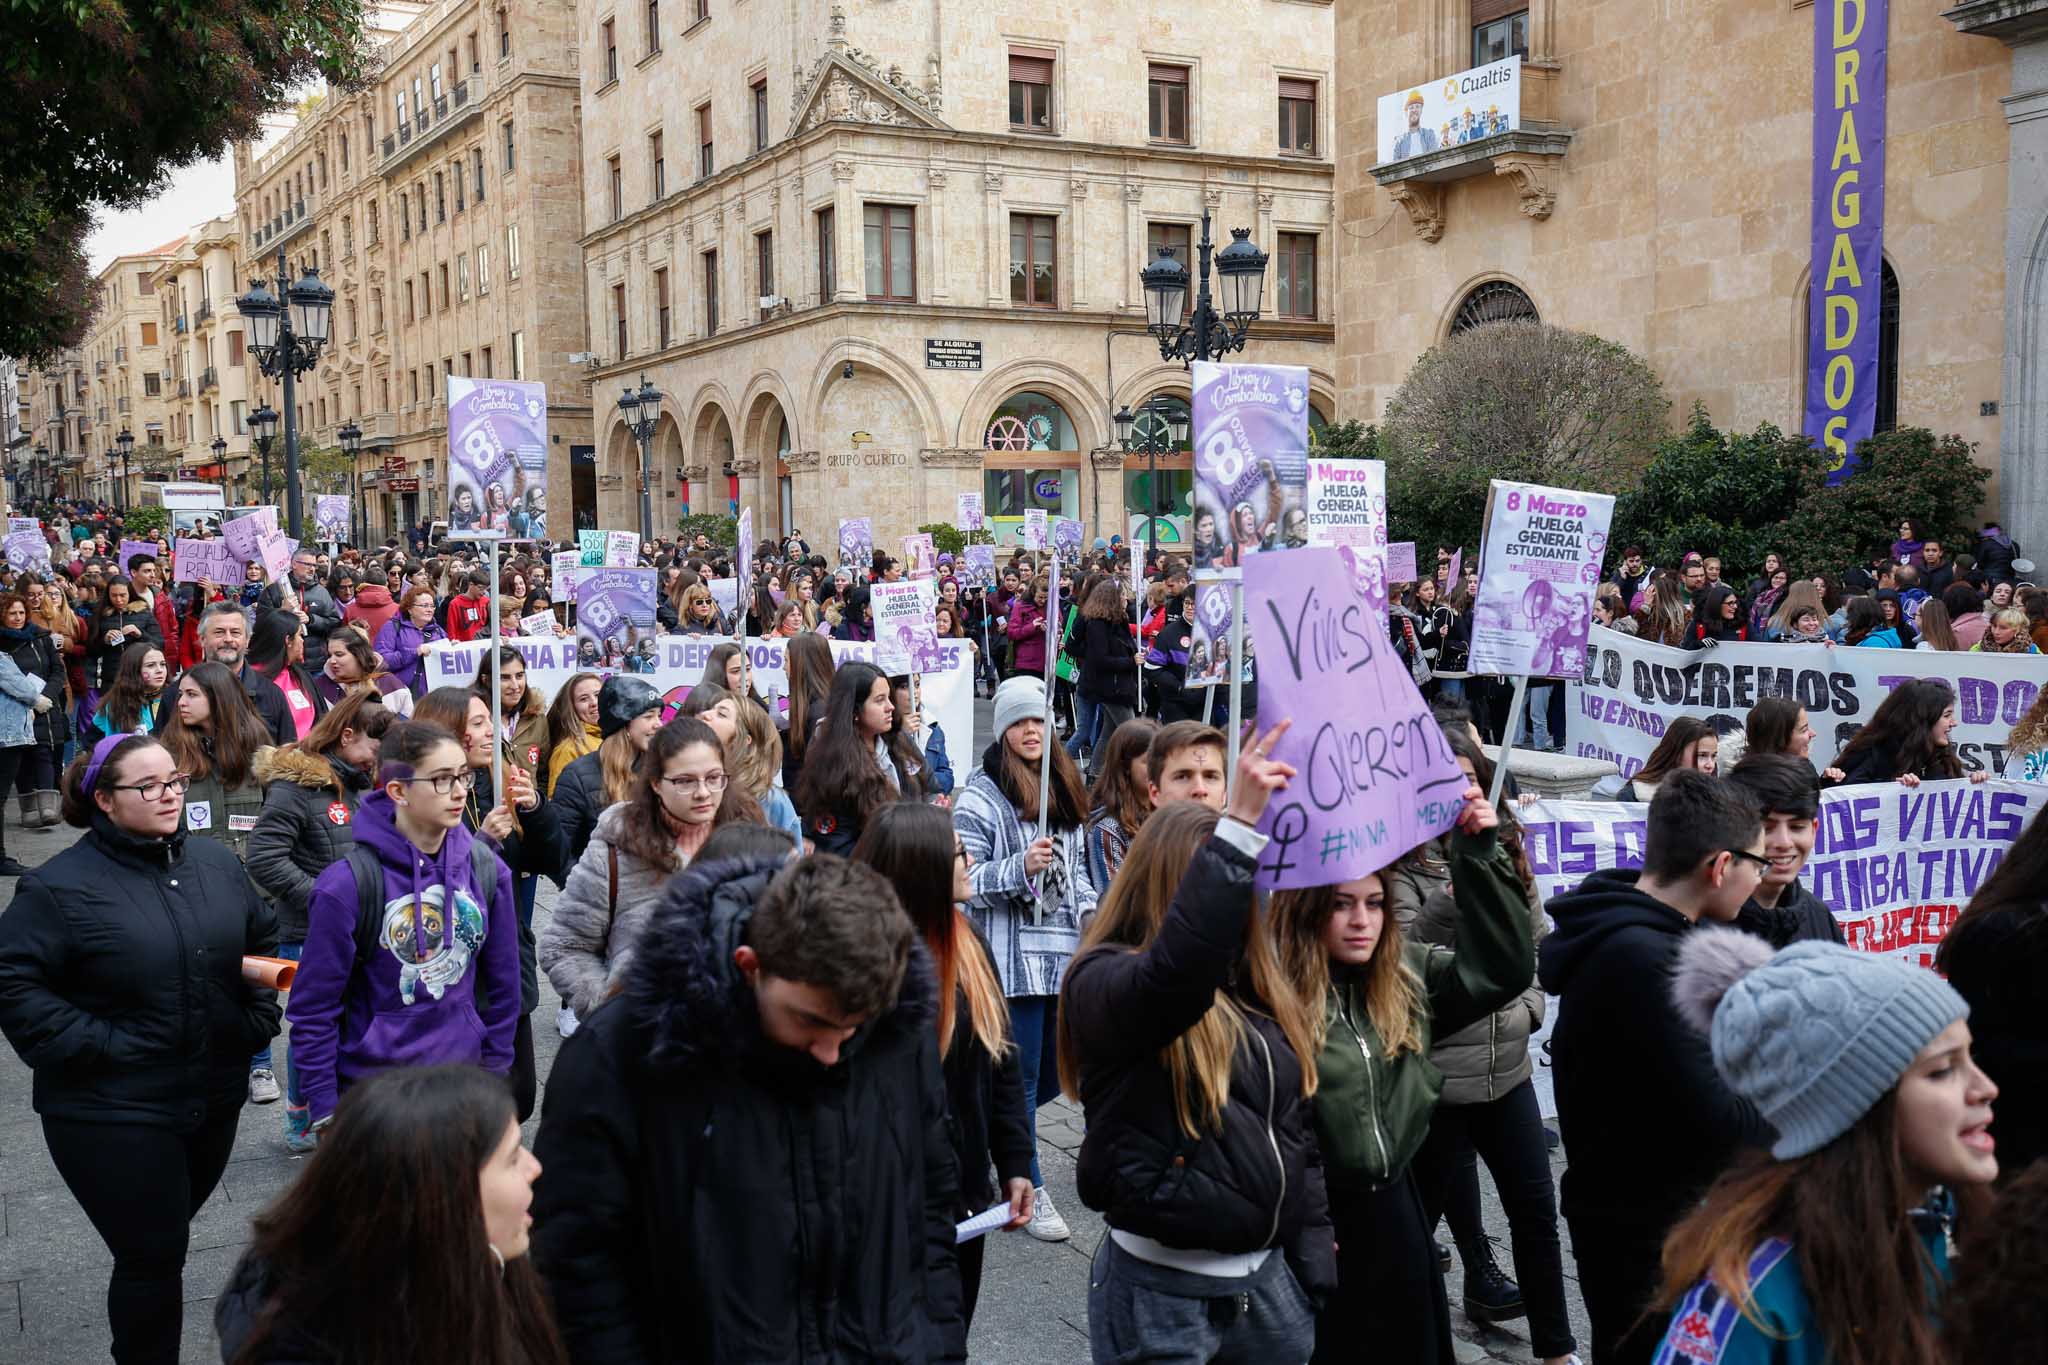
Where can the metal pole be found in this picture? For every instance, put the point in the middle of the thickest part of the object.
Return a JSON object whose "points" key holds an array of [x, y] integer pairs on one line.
{"points": [[288, 347], [497, 707], [1507, 740], [1236, 676], [1052, 734], [644, 432], [1152, 497], [1204, 315]]}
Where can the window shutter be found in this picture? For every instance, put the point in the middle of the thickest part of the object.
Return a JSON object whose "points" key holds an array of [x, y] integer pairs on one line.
{"points": [[1486, 11], [1031, 65], [1168, 75], [1293, 89]]}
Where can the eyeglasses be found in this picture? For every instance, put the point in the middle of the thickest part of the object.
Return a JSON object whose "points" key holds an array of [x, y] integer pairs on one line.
{"points": [[710, 782], [150, 791], [444, 783], [1757, 860]]}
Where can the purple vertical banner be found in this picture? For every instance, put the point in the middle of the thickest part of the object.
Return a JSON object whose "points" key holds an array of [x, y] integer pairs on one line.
{"points": [[1251, 462], [1849, 75], [497, 458]]}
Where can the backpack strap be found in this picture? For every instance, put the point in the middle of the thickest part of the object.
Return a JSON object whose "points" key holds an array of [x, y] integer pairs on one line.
{"points": [[369, 878]]}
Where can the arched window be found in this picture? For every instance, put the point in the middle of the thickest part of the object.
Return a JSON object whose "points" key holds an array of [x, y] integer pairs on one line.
{"points": [[1030, 421], [1493, 301], [1014, 481]]}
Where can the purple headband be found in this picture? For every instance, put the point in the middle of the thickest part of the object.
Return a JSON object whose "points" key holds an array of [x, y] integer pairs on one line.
{"points": [[99, 756]]}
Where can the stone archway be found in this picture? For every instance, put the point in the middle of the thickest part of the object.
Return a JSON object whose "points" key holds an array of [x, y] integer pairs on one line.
{"points": [[766, 438], [618, 481], [711, 452]]}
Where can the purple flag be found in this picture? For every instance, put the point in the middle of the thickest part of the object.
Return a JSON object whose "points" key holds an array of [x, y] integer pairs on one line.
{"points": [[1374, 775], [1847, 255]]}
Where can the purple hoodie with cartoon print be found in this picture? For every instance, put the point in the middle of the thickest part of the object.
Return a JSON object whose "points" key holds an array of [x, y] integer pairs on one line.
{"points": [[416, 1002]]}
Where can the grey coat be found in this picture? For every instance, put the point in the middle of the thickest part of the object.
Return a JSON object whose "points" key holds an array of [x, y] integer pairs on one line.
{"points": [[591, 937]]}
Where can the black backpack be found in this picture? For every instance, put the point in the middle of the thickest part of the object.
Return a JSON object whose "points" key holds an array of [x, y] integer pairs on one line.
{"points": [[369, 879]]}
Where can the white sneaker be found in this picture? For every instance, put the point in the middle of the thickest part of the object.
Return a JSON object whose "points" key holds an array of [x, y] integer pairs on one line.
{"points": [[263, 1087], [1046, 1224], [565, 1021]]}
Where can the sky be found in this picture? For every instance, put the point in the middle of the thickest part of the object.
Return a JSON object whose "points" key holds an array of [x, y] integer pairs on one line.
{"points": [[200, 191]]}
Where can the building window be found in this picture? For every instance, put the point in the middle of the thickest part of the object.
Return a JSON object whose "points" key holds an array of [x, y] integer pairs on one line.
{"points": [[440, 197], [1500, 29], [764, 265], [376, 311], [710, 293], [1297, 276], [413, 377], [149, 334], [653, 27], [372, 219], [512, 251], [828, 267], [455, 174], [661, 306], [703, 140], [404, 220], [152, 385], [441, 298], [891, 252], [478, 154], [615, 178], [421, 199], [504, 34], [519, 355], [511, 156], [1493, 301], [619, 320], [462, 278], [1179, 237], [1298, 116], [759, 92], [483, 270], [343, 148], [1031, 88], [1034, 265], [703, 8], [657, 168], [399, 100], [486, 358], [348, 234], [609, 36], [409, 313], [434, 79], [1166, 90]]}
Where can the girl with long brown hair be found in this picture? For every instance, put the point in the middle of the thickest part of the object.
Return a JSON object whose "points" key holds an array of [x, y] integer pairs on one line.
{"points": [[572, 724], [737, 724], [1908, 739], [851, 768], [1827, 1249], [1375, 1001], [807, 663], [521, 719], [1193, 1055], [1688, 742], [1121, 799], [917, 849], [215, 734]]}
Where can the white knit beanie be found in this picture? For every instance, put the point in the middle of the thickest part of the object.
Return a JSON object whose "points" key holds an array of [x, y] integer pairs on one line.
{"points": [[1019, 698]]}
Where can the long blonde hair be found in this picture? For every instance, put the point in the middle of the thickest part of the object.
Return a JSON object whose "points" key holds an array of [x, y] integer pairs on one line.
{"points": [[617, 759], [761, 757], [1200, 1060], [2032, 731], [1394, 996]]}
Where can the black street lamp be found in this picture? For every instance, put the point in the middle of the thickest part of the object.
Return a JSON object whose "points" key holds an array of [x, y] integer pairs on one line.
{"points": [[263, 425], [39, 470], [125, 443], [1207, 334], [286, 337], [642, 408], [220, 457], [1159, 426], [351, 438]]}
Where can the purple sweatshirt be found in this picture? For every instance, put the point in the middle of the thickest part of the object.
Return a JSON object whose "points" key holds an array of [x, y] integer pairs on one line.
{"points": [[415, 1004], [399, 643]]}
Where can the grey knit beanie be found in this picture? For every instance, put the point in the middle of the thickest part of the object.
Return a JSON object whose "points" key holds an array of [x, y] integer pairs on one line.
{"points": [[1018, 698], [1814, 1034]]}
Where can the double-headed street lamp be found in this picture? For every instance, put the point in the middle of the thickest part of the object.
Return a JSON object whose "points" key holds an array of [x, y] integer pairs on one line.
{"points": [[1206, 334], [642, 409], [263, 425], [1160, 426], [351, 438], [286, 339]]}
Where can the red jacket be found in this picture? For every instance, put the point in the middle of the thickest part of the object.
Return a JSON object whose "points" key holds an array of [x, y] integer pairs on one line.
{"points": [[468, 617], [167, 622], [372, 606]]}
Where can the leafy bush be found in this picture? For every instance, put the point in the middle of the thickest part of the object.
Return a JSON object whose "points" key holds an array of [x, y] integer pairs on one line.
{"points": [[1718, 493], [722, 530], [1908, 472], [145, 521]]}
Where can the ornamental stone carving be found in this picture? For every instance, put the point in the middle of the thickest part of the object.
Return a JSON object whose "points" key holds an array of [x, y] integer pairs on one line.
{"points": [[1531, 175], [1106, 458], [935, 458], [745, 467], [696, 472], [1425, 204], [802, 461], [844, 101]]}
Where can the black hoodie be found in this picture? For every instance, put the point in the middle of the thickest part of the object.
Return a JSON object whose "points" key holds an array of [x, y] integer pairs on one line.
{"points": [[1799, 916], [1647, 1122]]}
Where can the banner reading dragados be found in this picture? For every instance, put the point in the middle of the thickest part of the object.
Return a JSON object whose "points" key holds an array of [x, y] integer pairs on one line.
{"points": [[1539, 565], [857, 544], [1374, 776], [1251, 462], [498, 457]]}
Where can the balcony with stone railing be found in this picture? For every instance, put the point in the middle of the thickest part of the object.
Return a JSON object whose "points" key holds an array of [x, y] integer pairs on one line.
{"points": [[450, 111]]}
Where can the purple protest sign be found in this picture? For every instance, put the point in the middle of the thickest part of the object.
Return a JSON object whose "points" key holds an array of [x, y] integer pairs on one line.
{"points": [[1847, 251], [193, 560], [1209, 637], [1034, 528], [1066, 538], [857, 544], [920, 555], [245, 533], [1538, 568], [330, 517], [743, 558], [27, 550], [906, 626], [1374, 774], [497, 458], [978, 566], [1456, 574], [968, 514], [1251, 461], [615, 619], [1401, 562]]}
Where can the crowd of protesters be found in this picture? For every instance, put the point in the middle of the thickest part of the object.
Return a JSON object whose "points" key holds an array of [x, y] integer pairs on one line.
{"points": [[820, 972]]}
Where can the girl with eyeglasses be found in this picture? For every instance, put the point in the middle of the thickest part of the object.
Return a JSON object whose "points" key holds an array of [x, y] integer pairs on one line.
{"points": [[681, 793], [121, 987], [431, 974]]}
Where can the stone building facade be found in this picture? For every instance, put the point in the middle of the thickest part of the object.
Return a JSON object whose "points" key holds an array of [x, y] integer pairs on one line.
{"points": [[1658, 194], [881, 252], [207, 374], [122, 361], [441, 204]]}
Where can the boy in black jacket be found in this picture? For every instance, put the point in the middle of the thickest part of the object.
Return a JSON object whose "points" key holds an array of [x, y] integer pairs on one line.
{"points": [[1647, 1122]]}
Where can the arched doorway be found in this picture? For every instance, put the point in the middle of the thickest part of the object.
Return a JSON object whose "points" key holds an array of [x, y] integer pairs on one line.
{"points": [[618, 481], [765, 445], [1033, 460], [711, 447], [1159, 488]]}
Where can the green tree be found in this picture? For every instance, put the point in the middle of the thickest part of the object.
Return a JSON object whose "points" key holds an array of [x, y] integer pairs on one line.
{"points": [[1718, 493], [103, 99], [948, 539], [721, 529], [325, 468], [142, 521], [1908, 472]]}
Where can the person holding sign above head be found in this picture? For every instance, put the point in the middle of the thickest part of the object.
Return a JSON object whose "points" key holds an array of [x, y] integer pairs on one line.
{"points": [[1193, 1056], [1831, 1250], [1375, 1000], [1623, 1058]]}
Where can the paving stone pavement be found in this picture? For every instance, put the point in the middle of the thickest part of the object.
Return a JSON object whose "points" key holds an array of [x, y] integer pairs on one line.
{"points": [[53, 1268]]}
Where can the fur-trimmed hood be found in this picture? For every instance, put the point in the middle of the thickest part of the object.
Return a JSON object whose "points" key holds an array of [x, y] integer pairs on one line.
{"points": [[315, 772], [685, 996]]}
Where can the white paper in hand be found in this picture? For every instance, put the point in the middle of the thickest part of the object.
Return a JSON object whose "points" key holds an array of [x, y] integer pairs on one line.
{"points": [[987, 1221]]}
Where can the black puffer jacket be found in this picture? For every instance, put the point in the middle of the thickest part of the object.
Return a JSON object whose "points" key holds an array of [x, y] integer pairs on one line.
{"points": [[985, 1108], [532, 849], [307, 824], [1109, 662], [1259, 1182], [1798, 916], [578, 800], [121, 979], [709, 1196]]}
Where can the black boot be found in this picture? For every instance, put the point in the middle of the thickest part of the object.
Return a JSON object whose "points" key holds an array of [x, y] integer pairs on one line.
{"points": [[1490, 1296]]}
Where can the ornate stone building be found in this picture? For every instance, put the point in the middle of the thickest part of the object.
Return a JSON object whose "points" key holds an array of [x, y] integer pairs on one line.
{"points": [[880, 252], [1659, 193], [124, 350], [440, 203], [206, 373]]}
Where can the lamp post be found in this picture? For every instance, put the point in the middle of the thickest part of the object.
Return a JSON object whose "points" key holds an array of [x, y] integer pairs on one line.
{"points": [[125, 443], [219, 446], [37, 469], [1159, 425], [642, 408], [351, 438], [1207, 334], [263, 422], [286, 337]]}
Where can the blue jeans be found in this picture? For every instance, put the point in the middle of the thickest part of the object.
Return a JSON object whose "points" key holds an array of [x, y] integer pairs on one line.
{"points": [[261, 1061], [1034, 1023], [1084, 726], [1536, 717]]}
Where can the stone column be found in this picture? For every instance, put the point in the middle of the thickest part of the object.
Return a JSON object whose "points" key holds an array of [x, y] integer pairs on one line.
{"points": [[846, 226], [995, 238], [935, 207], [1105, 500], [2023, 415]]}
